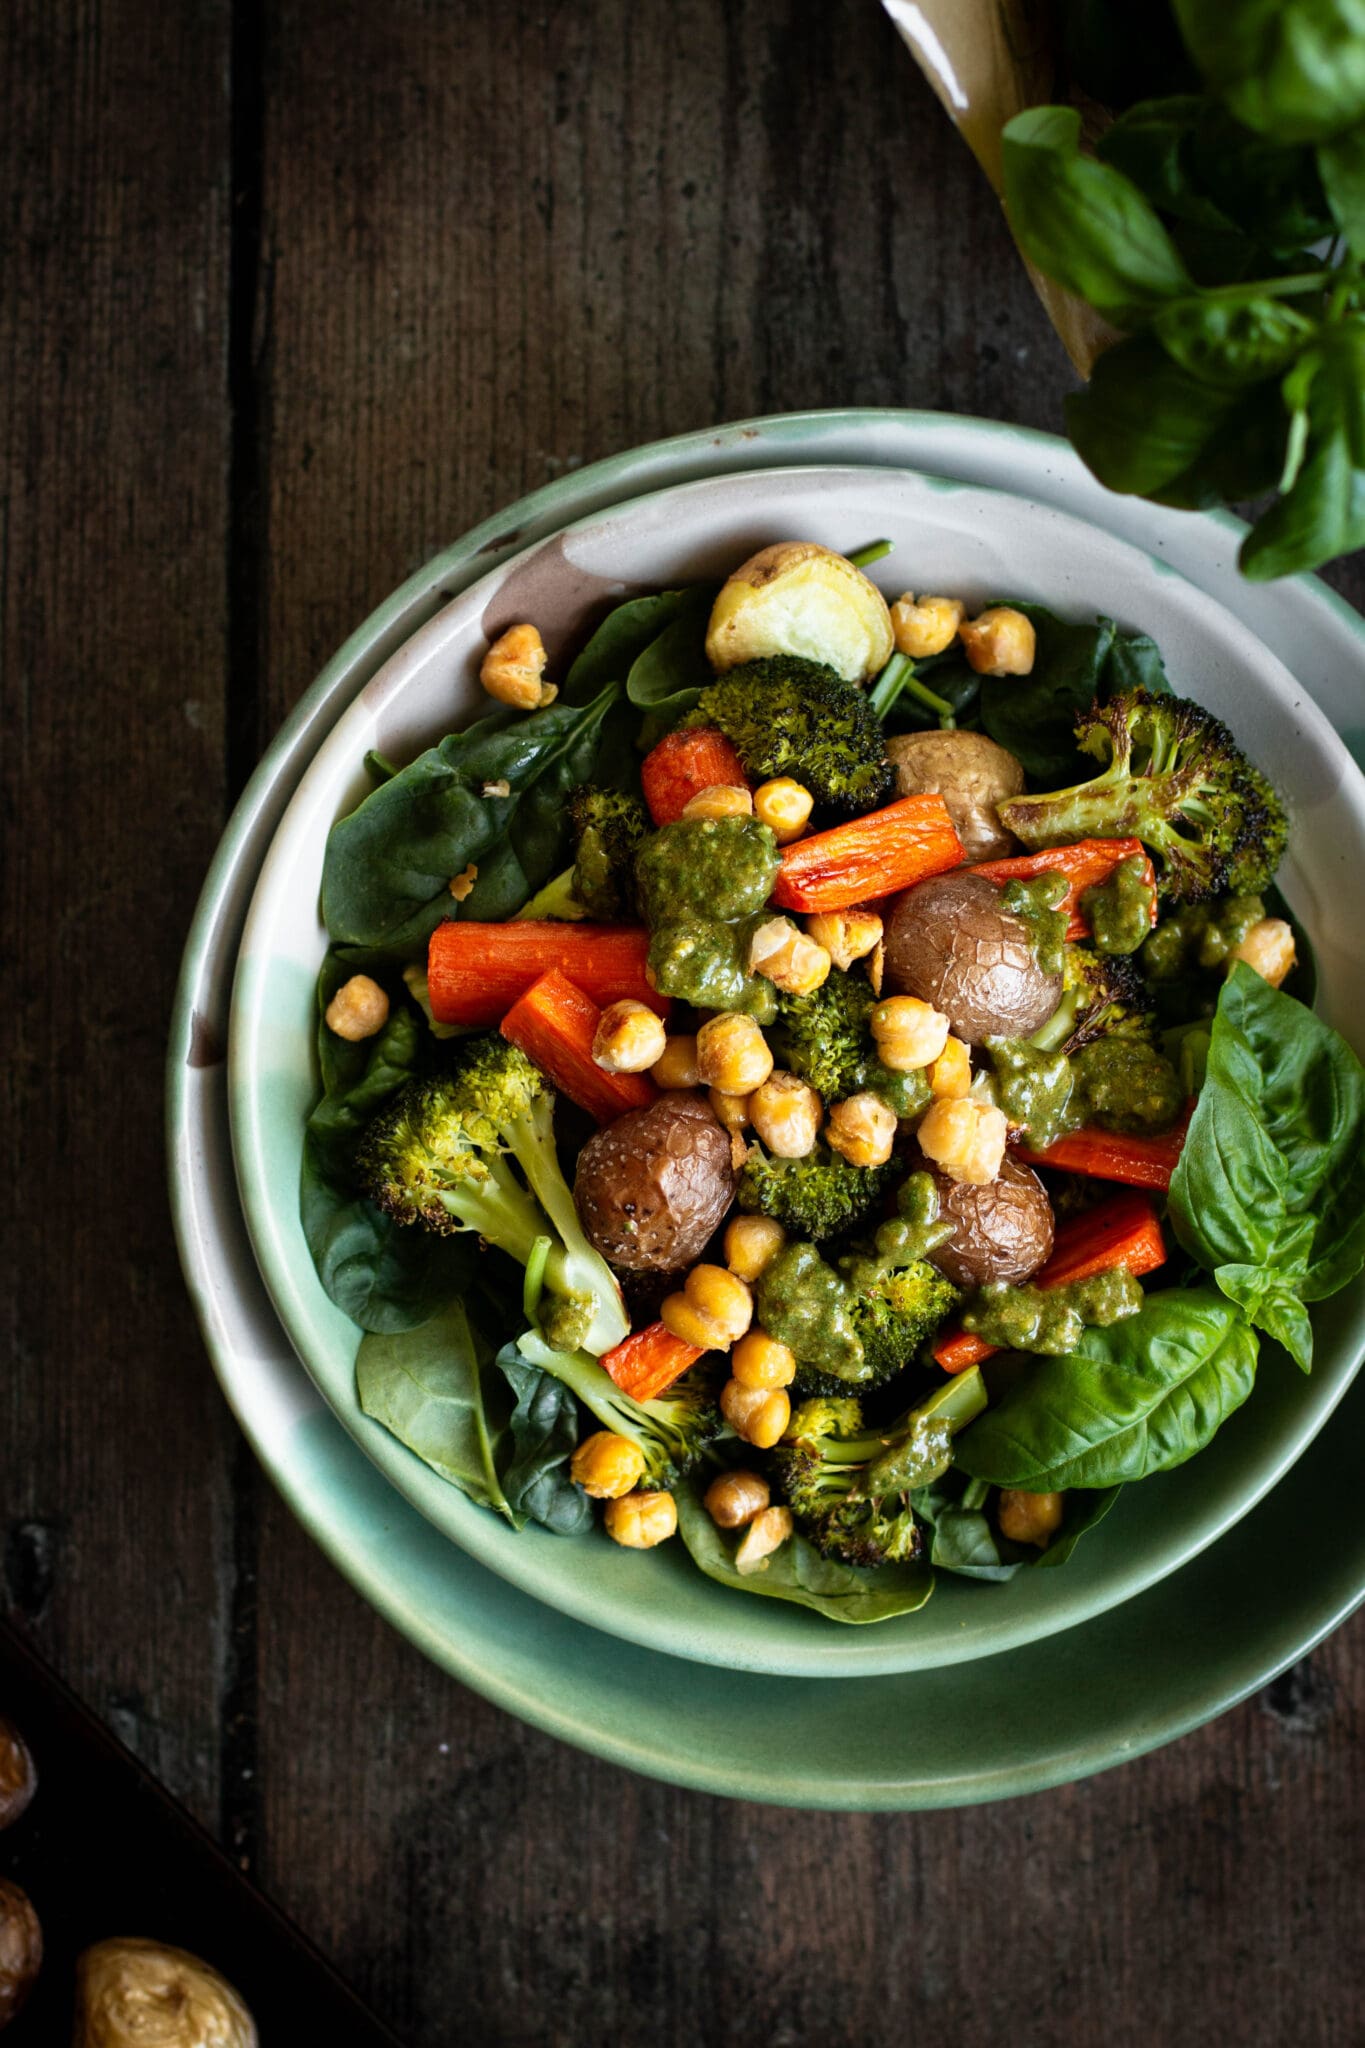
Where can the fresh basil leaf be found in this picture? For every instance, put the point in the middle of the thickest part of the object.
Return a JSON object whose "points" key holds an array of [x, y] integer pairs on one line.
{"points": [[388, 866], [797, 1572], [1291, 69], [1150, 144], [544, 1427], [1082, 222], [619, 642], [436, 1391], [1143, 420], [965, 1542], [1232, 340], [1270, 190], [1123, 50], [1137, 1397], [1269, 1192], [1242, 458], [1322, 513], [1341, 165], [668, 675]]}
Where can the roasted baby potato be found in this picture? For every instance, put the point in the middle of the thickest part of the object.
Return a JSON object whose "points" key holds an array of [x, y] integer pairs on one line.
{"points": [[21, 1949], [1002, 1231], [18, 1779], [971, 773], [800, 599], [131, 1992], [652, 1186], [951, 942]]}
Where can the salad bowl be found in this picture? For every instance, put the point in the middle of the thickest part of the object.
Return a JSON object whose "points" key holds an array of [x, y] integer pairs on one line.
{"points": [[973, 541]]}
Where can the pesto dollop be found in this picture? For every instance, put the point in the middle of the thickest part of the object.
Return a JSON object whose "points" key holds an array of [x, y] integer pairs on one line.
{"points": [[1125, 1085], [1034, 1089], [702, 961], [721, 868], [1051, 1320], [1121, 910], [1201, 935], [806, 1306], [1038, 906]]}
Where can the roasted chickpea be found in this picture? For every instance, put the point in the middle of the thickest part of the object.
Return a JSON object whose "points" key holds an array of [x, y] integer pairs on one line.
{"points": [[734, 1498], [784, 807], [1029, 1517], [714, 1308], [789, 958], [629, 1038], [751, 1242], [909, 1034], [757, 1414], [721, 800], [766, 1533], [926, 627], [951, 1073], [606, 1465], [964, 1139], [1000, 642], [785, 1113], [1269, 948], [863, 1129], [846, 935], [763, 1361], [676, 1066], [732, 1054], [358, 1010], [513, 667], [639, 1521], [731, 1110]]}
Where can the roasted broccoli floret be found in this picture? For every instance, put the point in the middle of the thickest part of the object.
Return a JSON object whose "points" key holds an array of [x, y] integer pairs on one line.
{"points": [[826, 1038], [441, 1155], [1175, 778], [852, 1329], [673, 1431], [785, 716], [818, 1197], [1102, 993], [849, 1489], [895, 1309], [607, 828]]}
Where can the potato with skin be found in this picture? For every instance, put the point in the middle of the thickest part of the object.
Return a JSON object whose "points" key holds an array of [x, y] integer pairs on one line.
{"points": [[652, 1186], [972, 774], [21, 1949], [132, 1993], [1001, 1231], [18, 1778], [803, 600], [951, 942]]}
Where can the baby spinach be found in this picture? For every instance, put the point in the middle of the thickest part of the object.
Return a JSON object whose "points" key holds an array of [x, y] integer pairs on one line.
{"points": [[389, 864], [1035, 715], [1133, 1398], [668, 675], [965, 1541], [1269, 1193], [618, 643], [437, 1391], [544, 1427], [797, 1572]]}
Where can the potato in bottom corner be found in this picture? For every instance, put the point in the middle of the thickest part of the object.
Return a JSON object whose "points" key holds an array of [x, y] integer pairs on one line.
{"points": [[133, 1993]]}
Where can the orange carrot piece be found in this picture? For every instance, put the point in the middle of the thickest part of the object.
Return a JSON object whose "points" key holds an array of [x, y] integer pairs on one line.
{"points": [[1085, 865], [645, 1364], [869, 857], [1137, 1161], [554, 1024], [475, 972], [1124, 1231], [682, 765]]}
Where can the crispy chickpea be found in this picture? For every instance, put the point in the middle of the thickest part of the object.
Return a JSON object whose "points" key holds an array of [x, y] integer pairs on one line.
{"points": [[512, 670], [629, 1038], [786, 1113], [751, 1243], [734, 1498], [909, 1034], [789, 958], [784, 807], [766, 1533], [964, 1139], [461, 886], [676, 1066], [863, 1129], [358, 1010], [721, 800], [732, 1054], [927, 627], [731, 1110], [846, 935], [1269, 948], [757, 1414], [639, 1521], [1029, 1517], [712, 1310], [606, 1465], [951, 1073], [1000, 642], [759, 1360]]}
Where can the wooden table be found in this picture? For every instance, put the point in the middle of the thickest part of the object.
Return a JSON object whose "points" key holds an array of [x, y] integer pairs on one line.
{"points": [[294, 295]]}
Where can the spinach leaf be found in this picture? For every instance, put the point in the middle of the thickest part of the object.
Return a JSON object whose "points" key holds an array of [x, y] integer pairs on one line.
{"points": [[1137, 1397], [668, 675], [619, 642], [1135, 663], [388, 866], [965, 1542], [1291, 69], [797, 1572], [1269, 1193], [435, 1389], [1034, 715], [1341, 166], [1322, 513], [544, 1426], [1084, 223]]}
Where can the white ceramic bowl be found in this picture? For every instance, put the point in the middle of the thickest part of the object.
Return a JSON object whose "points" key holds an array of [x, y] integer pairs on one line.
{"points": [[976, 542]]}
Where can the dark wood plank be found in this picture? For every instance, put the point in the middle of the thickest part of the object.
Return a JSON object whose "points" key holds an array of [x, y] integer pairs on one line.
{"points": [[114, 1446]]}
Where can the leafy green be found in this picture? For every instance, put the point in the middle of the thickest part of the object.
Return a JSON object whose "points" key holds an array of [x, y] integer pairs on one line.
{"points": [[1322, 513], [797, 1572], [1135, 1397], [964, 1540], [1035, 715], [619, 642], [388, 866], [544, 1427], [1291, 69], [436, 1390], [669, 674], [1341, 166], [1269, 1193]]}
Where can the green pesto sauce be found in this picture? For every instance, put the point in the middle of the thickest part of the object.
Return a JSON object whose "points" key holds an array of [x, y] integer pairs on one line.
{"points": [[701, 961], [1119, 1083], [1121, 910], [917, 1228], [1033, 1088], [717, 868], [1051, 1319], [1037, 905], [804, 1304], [1199, 936]]}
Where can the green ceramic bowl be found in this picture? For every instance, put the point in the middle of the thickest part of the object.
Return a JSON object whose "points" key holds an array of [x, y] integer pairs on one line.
{"points": [[947, 535]]}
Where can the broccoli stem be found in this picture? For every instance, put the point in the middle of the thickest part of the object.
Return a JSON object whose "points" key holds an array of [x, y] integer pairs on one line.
{"points": [[957, 1402], [898, 679], [555, 900]]}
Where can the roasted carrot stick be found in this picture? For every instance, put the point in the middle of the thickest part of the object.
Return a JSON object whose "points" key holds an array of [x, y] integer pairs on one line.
{"points": [[1124, 1231], [645, 1364], [1139, 1162], [475, 972], [682, 765], [1085, 865], [869, 857], [554, 1023]]}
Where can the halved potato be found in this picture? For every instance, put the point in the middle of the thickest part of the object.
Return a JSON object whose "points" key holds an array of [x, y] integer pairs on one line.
{"points": [[799, 599]]}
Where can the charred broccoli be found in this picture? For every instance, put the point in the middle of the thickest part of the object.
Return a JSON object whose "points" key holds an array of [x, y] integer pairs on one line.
{"points": [[441, 1153], [826, 1038], [786, 716], [849, 1490], [672, 1431], [1102, 993], [1175, 778], [607, 829], [818, 1197]]}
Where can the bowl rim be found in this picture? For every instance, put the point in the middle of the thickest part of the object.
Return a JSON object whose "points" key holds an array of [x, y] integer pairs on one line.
{"points": [[811, 1648]]}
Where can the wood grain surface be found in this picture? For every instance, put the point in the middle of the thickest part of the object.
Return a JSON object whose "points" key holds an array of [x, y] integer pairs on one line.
{"points": [[294, 294]]}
